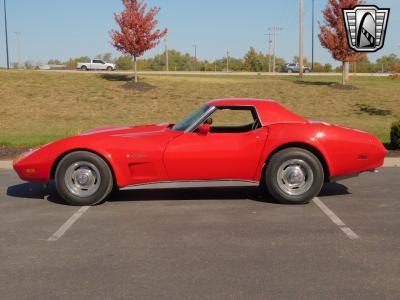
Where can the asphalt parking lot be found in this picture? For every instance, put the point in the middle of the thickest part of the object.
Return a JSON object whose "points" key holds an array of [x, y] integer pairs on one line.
{"points": [[214, 243]]}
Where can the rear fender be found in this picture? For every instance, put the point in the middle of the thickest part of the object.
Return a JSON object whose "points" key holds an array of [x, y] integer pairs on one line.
{"points": [[283, 136]]}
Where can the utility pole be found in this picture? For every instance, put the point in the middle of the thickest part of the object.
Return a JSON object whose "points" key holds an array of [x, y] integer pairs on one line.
{"points": [[227, 61], [195, 57], [274, 32], [301, 38], [18, 36], [166, 55], [5, 26], [269, 50], [313, 34]]}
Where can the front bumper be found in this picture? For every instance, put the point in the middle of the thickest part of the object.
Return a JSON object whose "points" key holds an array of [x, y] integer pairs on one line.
{"points": [[30, 169]]}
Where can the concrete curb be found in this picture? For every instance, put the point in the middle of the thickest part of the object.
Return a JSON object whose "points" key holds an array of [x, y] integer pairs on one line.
{"points": [[390, 162], [6, 164]]}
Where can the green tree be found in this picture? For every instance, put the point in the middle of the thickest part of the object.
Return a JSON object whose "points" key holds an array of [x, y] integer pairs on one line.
{"points": [[177, 61], [253, 61], [364, 66], [235, 64], [54, 62], [327, 68], [124, 62], [388, 62], [72, 62]]}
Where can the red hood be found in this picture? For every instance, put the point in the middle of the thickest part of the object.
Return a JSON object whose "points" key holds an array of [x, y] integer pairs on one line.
{"points": [[126, 131]]}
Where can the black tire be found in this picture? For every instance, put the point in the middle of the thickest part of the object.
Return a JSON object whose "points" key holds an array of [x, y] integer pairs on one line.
{"points": [[310, 169], [290, 71], [109, 69], [103, 178], [84, 68]]}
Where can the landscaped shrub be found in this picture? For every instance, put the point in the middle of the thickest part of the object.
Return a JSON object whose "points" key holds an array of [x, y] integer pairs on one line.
{"points": [[395, 135]]}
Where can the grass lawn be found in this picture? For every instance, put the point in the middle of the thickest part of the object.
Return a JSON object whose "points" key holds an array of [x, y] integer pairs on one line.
{"points": [[39, 107]]}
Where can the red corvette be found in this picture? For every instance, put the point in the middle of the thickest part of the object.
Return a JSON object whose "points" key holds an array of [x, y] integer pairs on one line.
{"points": [[229, 141]]}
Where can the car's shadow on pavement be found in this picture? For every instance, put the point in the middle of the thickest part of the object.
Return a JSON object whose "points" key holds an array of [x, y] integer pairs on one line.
{"points": [[211, 193], [30, 190], [37, 191]]}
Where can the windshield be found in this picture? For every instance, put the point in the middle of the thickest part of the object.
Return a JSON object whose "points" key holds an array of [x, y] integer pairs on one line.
{"points": [[190, 120]]}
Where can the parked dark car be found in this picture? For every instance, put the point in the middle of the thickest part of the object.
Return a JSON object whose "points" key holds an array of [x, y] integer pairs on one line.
{"points": [[295, 68]]}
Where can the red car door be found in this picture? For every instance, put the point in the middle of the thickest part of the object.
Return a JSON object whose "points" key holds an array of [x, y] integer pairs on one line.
{"points": [[193, 156]]}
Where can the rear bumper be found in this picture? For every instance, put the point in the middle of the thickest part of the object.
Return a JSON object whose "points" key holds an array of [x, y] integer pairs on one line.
{"points": [[344, 177]]}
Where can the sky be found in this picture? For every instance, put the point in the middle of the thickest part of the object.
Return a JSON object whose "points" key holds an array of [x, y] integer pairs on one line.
{"points": [[64, 29]]}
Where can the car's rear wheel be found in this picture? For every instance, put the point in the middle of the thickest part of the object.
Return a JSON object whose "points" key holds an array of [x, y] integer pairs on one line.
{"points": [[83, 178], [109, 69], [84, 68], [294, 176], [290, 71]]}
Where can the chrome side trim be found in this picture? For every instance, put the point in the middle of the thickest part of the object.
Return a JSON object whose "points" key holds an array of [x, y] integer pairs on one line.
{"points": [[191, 184]]}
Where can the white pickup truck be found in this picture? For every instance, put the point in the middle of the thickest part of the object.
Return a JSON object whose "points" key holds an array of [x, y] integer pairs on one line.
{"points": [[96, 65]]}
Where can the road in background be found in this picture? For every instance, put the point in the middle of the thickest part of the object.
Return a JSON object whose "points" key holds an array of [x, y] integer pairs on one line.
{"points": [[217, 73]]}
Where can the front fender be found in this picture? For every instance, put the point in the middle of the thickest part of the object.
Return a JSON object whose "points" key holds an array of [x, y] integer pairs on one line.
{"points": [[37, 165]]}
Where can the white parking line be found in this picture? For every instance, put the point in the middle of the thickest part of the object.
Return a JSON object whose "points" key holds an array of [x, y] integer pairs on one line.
{"points": [[60, 232], [336, 220]]}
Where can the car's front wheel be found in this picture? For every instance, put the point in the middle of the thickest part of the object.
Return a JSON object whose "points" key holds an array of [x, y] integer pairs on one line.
{"points": [[294, 176], [83, 178]]}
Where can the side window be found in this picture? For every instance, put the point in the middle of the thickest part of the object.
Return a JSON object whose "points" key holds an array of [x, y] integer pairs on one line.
{"points": [[234, 120], [97, 61]]}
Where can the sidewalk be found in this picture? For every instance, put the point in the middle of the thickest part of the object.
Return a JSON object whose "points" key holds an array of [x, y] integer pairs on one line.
{"points": [[392, 162], [6, 164]]}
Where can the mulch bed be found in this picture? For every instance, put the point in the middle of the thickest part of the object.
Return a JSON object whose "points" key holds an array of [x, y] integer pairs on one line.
{"points": [[139, 86], [346, 87]]}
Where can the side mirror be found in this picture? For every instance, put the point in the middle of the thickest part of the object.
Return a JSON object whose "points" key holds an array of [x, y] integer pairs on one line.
{"points": [[209, 121], [204, 129]]}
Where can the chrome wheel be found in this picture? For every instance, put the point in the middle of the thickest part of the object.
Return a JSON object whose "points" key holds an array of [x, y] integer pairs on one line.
{"points": [[82, 179], [295, 177]]}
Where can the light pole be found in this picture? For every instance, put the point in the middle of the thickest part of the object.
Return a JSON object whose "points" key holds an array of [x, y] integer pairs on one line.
{"points": [[166, 55], [269, 50], [5, 26], [274, 32], [301, 38], [313, 33]]}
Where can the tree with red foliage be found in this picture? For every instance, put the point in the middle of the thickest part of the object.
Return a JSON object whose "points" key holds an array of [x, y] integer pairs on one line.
{"points": [[137, 30], [333, 34]]}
